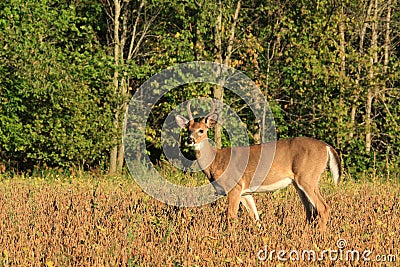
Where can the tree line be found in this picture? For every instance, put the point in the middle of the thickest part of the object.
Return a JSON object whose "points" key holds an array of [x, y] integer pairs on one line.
{"points": [[329, 69]]}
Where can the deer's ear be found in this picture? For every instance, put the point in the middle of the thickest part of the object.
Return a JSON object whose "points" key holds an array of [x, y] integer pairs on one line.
{"points": [[212, 120], [181, 121]]}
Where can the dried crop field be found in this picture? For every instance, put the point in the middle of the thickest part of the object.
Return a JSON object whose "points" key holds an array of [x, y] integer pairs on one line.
{"points": [[111, 222]]}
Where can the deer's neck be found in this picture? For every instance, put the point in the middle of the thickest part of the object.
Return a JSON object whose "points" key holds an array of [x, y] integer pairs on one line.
{"points": [[205, 154]]}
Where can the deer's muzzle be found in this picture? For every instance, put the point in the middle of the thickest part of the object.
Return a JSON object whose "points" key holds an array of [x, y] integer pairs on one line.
{"points": [[190, 141]]}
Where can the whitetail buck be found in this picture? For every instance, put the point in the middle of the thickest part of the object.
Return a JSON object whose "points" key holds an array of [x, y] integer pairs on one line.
{"points": [[299, 161]]}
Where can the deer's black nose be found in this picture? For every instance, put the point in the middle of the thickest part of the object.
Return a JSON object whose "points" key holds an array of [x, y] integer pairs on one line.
{"points": [[190, 140]]}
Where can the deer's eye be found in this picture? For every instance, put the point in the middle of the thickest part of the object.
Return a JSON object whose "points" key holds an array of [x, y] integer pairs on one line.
{"points": [[201, 131]]}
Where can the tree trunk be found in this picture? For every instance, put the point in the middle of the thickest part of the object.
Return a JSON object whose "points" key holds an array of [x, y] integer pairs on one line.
{"points": [[219, 95], [114, 150], [219, 89], [358, 89], [342, 44], [368, 109], [373, 85], [127, 38], [387, 36], [120, 158]]}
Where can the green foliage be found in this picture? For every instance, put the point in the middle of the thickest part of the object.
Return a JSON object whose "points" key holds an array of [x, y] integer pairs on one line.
{"points": [[55, 106], [57, 102]]}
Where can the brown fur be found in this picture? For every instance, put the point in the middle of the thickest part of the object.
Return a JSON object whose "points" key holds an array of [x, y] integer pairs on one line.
{"points": [[301, 159]]}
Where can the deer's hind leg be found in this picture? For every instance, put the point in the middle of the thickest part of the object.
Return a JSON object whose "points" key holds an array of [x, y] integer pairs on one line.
{"points": [[314, 205]]}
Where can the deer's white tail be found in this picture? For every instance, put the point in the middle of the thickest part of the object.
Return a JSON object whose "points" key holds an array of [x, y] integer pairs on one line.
{"points": [[334, 164]]}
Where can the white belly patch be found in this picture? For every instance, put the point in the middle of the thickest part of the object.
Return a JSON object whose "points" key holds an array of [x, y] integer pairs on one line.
{"points": [[269, 188]]}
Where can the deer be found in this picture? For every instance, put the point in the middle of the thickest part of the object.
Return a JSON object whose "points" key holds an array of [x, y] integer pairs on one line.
{"points": [[299, 161]]}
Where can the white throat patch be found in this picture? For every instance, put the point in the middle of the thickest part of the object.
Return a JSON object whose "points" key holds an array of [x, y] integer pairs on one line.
{"points": [[198, 146]]}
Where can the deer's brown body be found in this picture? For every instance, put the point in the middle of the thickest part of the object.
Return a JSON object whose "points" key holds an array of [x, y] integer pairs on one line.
{"points": [[241, 171]]}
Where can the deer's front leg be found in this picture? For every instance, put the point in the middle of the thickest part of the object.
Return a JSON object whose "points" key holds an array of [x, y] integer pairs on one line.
{"points": [[234, 201]]}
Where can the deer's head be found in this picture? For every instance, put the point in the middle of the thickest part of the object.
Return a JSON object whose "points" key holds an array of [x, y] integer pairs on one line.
{"points": [[197, 130]]}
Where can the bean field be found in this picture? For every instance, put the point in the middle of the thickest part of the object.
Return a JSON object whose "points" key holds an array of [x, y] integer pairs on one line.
{"points": [[103, 221]]}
